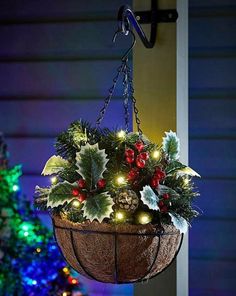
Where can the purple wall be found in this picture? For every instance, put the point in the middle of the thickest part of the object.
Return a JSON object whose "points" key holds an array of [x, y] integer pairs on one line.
{"points": [[57, 61]]}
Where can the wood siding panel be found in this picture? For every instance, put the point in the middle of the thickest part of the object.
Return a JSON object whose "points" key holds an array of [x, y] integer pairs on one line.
{"points": [[208, 120], [82, 40], [54, 116], [66, 10], [213, 239], [213, 145], [210, 278], [217, 198], [212, 72], [212, 29], [214, 158], [84, 78]]}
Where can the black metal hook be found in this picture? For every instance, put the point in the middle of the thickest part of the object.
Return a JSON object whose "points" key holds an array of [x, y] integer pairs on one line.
{"points": [[126, 17], [126, 32]]}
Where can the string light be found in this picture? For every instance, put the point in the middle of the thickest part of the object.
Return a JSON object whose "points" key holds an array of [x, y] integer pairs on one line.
{"points": [[76, 204], [54, 180], [74, 281], [66, 270], [156, 154], [65, 294], [38, 250], [120, 180], [119, 216], [144, 218], [121, 134], [15, 187]]}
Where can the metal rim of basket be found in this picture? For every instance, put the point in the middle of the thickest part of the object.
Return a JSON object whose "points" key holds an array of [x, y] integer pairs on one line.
{"points": [[142, 279]]}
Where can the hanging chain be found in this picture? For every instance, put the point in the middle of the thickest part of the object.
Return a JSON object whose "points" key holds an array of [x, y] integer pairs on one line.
{"points": [[108, 98], [126, 95], [134, 101]]}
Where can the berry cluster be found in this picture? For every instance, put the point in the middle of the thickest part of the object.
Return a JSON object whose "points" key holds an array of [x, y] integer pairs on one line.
{"points": [[81, 191]]}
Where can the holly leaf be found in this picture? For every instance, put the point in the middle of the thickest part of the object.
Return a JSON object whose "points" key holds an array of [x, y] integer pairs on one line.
{"points": [[149, 198], [171, 145], [188, 171], [60, 194], [162, 189], [173, 167], [54, 165], [98, 207], [91, 163], [179, 222]]}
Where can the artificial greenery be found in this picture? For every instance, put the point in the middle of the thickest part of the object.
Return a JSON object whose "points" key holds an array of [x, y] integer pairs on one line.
{"points": [[92, 165]]}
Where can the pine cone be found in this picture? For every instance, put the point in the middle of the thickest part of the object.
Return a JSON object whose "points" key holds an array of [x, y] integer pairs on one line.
{"points": [[127, 200]]}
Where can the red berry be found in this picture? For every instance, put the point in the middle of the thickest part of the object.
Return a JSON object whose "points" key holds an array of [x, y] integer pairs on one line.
{"points": [[161, 204], [101, 183], [154, 182], [139, 146], [133, 174], [81, 183], [166, 196], [82, 197], [129, 152], [129, 159], [140, 162], [164, 209], [75, 192], [144, 155], [159, 174]]}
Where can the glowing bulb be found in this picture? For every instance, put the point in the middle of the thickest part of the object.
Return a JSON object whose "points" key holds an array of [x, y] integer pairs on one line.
{"points": [[26, 233], [76, 203], [120, 180], [119, 216], [121, 134], [54, 180], [38, 250], [64, 294], [144, 218], [25, 227], [74, 281], [65, 270], [156, 154], [15, 188], [34, 282]]}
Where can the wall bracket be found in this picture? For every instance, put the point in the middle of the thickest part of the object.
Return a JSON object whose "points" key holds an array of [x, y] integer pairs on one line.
{"points": [[126, 18]]}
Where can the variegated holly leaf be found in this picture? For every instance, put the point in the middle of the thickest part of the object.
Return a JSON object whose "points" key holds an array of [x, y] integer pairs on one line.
{"points": [[98, 207], [54, 165], [60, 194], [149, 198], [174, 167], [188, 171], [179, 222], [171, 145], [162, 189], [91, 163]]}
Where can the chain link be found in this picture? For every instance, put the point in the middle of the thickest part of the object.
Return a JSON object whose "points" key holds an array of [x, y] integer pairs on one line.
{"points": [[108, 98], [134, 101], [128, 93]]}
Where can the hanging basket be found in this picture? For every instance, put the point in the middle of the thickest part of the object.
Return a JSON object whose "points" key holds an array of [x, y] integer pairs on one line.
{"points": [[120, 203], [118, 254]]}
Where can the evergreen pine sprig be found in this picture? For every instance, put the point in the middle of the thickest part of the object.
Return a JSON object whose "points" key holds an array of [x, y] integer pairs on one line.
{"points": [[94, 165]]}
